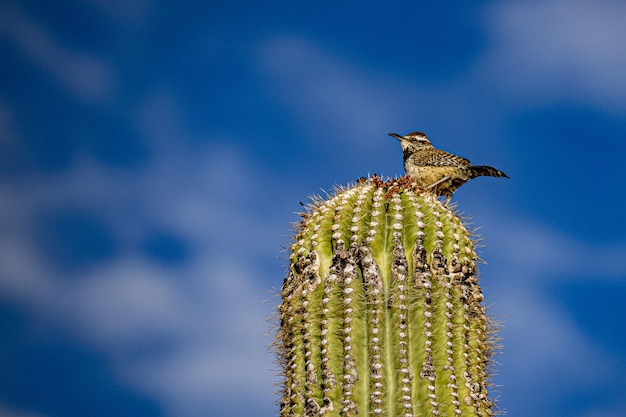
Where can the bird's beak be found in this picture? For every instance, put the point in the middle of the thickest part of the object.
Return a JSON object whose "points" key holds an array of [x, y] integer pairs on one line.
{"points": [[395, 135]]}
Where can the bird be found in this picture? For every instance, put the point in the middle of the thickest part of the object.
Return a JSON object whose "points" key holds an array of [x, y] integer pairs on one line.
{"points": [[436, 170]]}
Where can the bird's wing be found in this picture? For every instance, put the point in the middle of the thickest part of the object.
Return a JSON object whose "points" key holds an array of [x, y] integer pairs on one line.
{"points": [[437, 157]]}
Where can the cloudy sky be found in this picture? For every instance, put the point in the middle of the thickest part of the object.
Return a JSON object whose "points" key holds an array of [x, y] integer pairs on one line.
{"points": [[153, 154]]}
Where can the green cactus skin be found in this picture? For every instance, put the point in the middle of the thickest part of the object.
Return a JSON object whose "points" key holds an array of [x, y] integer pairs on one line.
{"points": [[381, 312]]}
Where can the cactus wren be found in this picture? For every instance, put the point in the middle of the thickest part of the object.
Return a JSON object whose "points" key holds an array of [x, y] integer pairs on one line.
{"points": [[437, 170]]}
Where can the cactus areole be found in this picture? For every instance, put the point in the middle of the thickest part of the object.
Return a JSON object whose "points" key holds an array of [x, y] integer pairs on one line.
{"points": [[381, 311]]}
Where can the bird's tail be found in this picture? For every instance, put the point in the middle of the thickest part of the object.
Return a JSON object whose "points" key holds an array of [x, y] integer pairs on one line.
{"points": [[486, 171]]}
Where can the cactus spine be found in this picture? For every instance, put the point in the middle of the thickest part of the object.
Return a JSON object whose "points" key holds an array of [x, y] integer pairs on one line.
{"points": [[381, 310]]}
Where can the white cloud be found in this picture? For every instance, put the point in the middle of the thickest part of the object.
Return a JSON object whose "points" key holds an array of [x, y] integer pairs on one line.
{"points": [[84, 74], [316, 84], [337, 99], [541, 339], [11, 412], [537, 52], [126, 302], [221, 363], [537, 253], [343, 103], [543, 346], [543, 343], [193, 334], [549, 50]]}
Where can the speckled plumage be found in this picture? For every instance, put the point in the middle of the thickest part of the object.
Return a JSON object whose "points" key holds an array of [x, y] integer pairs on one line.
{"points": [[437, 170]]}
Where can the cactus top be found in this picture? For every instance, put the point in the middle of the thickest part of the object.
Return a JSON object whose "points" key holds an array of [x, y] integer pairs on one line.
{"points": [[381, 310]]}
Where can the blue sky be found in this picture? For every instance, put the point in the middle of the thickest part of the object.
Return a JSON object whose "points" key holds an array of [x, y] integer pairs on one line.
{"points": [[153, 154]]}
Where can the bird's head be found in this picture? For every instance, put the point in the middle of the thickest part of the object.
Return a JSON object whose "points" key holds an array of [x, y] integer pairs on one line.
{"points": [[413, 140]]}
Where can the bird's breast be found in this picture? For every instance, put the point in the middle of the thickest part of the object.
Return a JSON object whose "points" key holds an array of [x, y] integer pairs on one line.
{"points": [[427, 175]]}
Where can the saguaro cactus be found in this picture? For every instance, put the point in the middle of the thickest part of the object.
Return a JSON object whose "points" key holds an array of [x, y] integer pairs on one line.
{"points": [[381, 310]]}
